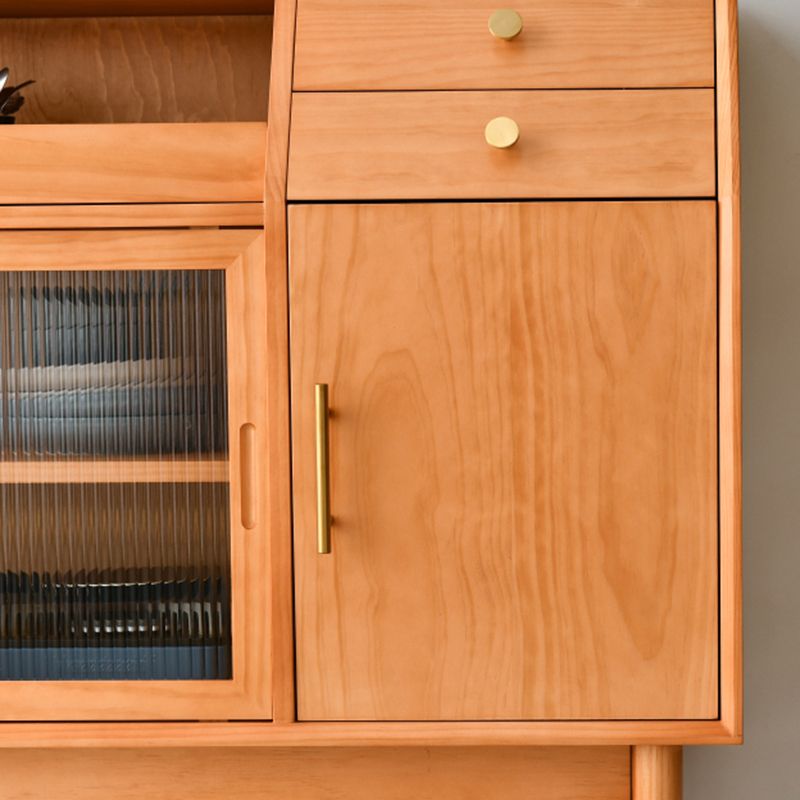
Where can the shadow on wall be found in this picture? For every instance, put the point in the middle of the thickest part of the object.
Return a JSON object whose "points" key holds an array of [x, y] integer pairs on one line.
{"points": [[768, 766]]}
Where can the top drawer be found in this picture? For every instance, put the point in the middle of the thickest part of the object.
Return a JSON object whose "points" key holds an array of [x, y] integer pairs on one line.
{"points": [[446, 44]]}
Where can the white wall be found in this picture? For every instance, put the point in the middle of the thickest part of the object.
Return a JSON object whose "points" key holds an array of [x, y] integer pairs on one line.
{"points": [[767, 767]]}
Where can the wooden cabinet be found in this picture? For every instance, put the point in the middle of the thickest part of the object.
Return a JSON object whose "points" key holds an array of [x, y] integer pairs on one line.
{"points": [[252, 311], [523, 460]]}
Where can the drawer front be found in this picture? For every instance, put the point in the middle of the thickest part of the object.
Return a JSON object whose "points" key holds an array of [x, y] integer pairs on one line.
{"points": [[383, 44], [572, 144]]}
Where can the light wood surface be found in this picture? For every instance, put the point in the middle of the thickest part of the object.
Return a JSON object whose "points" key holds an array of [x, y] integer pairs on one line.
{"points": [[124, 8], [419, 145], [152, 163], [361, 734], [129, 69], [120, 249], [248, 694], [143, 215], [383, 44], [656, 773], [278, 476], [141, 471], [730, 366], [314, 774], [523, 460]]}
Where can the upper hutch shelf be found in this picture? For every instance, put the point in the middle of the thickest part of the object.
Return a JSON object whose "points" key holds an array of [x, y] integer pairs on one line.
{"points": [[195, 72]]}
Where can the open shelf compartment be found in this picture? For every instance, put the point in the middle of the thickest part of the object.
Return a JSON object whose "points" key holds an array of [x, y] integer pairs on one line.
{"points": [[167, 104]]}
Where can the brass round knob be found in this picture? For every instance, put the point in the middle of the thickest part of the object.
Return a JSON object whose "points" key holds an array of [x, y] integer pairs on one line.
{"points": [[502, 133], [505, 24]]}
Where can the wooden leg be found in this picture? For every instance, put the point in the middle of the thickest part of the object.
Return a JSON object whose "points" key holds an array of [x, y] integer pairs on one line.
{"points": [[657, 773]]}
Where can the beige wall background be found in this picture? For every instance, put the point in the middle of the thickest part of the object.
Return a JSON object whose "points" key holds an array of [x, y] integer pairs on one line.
{"points": [[767, 767]]}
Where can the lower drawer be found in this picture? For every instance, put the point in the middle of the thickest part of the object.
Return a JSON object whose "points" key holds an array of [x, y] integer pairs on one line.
{"points": [[546, 773], [572, 144]]}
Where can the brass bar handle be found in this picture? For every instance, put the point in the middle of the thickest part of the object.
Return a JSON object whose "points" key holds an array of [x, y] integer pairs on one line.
{"points": [[322, 415], [248, 484]]}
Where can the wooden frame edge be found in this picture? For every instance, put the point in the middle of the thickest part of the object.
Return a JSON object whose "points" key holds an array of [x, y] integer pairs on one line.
{"points": [[362, 734], [279, 454], [730, 369], [138, 249], [132, 215]]}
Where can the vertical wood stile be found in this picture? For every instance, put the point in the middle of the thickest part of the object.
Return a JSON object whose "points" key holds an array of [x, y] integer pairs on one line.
{"points": [[279, 487], [730, 367]]}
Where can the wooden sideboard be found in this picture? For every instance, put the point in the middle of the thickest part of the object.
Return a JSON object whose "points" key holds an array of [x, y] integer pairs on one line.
{"points": [[369, 398]]}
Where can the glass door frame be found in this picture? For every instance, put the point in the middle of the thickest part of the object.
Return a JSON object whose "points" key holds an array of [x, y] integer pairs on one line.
{"points": [[241, 254]]}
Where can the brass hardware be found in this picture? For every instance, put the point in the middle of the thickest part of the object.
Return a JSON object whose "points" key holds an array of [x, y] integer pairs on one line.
{"points": [[322, 411], [505, 24], [502, 132], [247, 453]]}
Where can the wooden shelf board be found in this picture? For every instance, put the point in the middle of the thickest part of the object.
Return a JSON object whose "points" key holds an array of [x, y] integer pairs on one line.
{"points": [[363, 734], [134, 471], [141, 215], [209, 162], [126, 8]]}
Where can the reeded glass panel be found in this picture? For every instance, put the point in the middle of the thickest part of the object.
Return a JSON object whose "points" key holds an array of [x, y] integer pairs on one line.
{"points": [[114, 496]]}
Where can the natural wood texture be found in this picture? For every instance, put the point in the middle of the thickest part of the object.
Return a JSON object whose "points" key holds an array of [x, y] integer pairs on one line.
{"points": [[572, 144], [157, 163], [656, 773], [119, 249], [278, 475], [730, 366], [144, 215], [145, 69], [523, 441], [248, 694], [360, 734], [130, 8], [141, 471], [383, 44], [314, 774]]}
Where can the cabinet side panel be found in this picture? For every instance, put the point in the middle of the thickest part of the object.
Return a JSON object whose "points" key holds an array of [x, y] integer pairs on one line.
{"points": [[730, 366]]}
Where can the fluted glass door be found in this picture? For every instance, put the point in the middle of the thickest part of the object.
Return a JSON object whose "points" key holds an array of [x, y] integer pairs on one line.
{"points": [[133, 550]]}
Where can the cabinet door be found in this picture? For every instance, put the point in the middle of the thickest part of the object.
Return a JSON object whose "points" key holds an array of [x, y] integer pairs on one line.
{"points": [[523, 460], [132, 560]]}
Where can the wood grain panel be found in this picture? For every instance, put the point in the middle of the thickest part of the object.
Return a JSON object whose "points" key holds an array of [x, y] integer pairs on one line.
{"points": [[383, 44], [313, 774], [157, 163], [523, 460], [657, 773], [419, 145], [146, 69], [730, 365]]}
